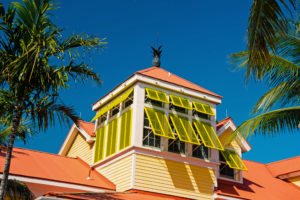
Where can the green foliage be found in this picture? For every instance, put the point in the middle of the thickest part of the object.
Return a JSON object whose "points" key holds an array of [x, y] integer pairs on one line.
{"points": [[36, 62], [281, 75], [18, 190], [267, 22]]}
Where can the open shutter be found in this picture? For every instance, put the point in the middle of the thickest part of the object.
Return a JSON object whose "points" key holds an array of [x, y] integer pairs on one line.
{"points": [[157, 95], [208, 135], [159, 123], [181, 102], [184, 129]]}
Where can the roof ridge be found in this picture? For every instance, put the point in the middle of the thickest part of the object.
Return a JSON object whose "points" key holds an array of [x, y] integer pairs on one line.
{"points": [[37, 151], [253, 161], [184, 79], [283, 160], [86, 122], [227, 118], [146, 70]]}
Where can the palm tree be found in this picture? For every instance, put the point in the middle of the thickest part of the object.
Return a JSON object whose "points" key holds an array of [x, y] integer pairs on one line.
{"points": [[268, 20], [36, 62], [281, 75], [18, 190]]}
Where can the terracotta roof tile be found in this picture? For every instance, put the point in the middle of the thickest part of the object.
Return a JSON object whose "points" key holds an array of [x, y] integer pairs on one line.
{"points": [[161, 74], [88, 127], [41, 165], [258, 183], [284, 166]]}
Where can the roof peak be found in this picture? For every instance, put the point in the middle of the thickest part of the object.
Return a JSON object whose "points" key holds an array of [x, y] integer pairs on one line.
{"points": [[164, 75]]}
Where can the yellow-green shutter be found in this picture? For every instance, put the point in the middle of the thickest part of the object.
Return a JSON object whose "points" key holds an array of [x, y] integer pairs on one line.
{"points": [[125, 130], [181, 102], [112, 133], [99, 145], [203, 108], [159, 123], [114, 103], [157, 95], [208, 135], [233, 160], [184, 129]]}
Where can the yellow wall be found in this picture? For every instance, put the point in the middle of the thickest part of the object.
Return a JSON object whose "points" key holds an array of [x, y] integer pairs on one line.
{"points": [[234, 145], [119, 172], [174, 178], [81, 149], [295, 180]]}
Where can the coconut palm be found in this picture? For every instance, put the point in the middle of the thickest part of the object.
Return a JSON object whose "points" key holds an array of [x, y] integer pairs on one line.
{"points": [[268, 20], [36, 62], [18, 190], [279, 108]]}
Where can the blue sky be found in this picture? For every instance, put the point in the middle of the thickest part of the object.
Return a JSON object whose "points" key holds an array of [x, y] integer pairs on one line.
{"points": [[197, 38]]}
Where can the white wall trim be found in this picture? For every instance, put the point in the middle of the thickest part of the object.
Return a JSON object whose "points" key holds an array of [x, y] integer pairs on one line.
{"points": [[225, 197], [241, 140], [162, 84], [48, 198], [70, 135], [56, 183], [133, 170], [158, 154]]}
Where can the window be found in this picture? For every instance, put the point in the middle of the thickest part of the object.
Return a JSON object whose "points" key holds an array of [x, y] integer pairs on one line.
{"points": [[203, 108], [184, 129], [153, 102], [225, 170], [178, 109], [115, 110], [201, 115], [200, 151], [207, 134], [159, 123], [233, 159], [157, 95], [115, 103], [176, 146], [181, 102], [149, 139], [128, 101], [102, 119]]}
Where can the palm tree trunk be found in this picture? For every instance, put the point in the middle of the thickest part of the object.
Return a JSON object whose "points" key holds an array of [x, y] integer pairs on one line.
{"points": [[15, 126]]}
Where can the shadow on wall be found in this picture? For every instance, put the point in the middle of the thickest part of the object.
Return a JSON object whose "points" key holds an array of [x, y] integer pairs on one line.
{"points": [[193, 178]]}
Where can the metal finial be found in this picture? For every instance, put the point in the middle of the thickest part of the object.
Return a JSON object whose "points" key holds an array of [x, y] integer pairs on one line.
{"points": [[156, 56]]}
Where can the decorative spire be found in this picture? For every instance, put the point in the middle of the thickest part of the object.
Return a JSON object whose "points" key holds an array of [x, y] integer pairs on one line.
{"points": [[156, 56]]}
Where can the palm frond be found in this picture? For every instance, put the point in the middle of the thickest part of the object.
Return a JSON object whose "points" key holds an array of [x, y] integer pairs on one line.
{"points": [[18, 190], [270, 123], [286, 93], [277, 71], [267, 20]]}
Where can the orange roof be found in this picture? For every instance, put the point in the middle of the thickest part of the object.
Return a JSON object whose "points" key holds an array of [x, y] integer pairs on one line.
{"points": [[88, 127], [46, 166], [258, 183], [130, 195], [161, 74], [223, 122], [284, 166]]}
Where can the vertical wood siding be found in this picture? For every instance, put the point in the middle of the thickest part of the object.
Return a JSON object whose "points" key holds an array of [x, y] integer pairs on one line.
{"points": [[119, 172], [81, 149], [173, 178]]}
